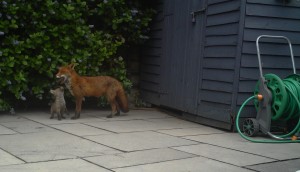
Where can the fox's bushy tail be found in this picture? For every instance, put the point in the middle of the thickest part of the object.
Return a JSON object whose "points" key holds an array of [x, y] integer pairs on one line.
{"points": [[122, 101]]}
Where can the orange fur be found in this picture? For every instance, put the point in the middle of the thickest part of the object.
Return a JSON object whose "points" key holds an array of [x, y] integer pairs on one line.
{"points": [[85, 86]]}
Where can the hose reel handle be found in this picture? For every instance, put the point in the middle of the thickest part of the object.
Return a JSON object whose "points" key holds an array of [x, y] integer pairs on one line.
{"points": [[275, 37]]}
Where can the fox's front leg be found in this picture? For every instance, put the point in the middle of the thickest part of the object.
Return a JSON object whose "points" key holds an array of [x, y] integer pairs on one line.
{"points": [[78, 107], [114, 109]]}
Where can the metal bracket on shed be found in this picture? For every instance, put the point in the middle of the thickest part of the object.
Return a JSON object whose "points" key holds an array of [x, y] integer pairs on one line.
{"points": [[195, 13]]}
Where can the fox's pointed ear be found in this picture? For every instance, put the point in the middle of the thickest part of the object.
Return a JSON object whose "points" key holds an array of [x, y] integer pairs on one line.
{"points": [[72, 65]]}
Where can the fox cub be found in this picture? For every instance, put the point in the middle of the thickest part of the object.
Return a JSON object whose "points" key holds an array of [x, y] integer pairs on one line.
{"points": [[59, 104]]}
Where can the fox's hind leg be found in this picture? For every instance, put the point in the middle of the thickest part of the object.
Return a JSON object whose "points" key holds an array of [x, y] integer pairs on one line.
{"points": [[78, 107], [111, 98], [118, 109], [114, 110]]}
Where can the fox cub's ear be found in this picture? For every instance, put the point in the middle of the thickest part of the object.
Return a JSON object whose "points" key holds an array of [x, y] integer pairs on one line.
{"points": [[52, 91], [61, 88]]}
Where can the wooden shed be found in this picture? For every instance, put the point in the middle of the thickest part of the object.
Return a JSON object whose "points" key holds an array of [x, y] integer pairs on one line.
{"points": [[201, 56]]}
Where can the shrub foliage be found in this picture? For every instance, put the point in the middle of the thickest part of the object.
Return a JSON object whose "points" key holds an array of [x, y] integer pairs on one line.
{"points": [[37, 36]]}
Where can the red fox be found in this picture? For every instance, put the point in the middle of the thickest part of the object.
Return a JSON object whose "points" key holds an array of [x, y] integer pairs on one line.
{"points": [[86, 86]]}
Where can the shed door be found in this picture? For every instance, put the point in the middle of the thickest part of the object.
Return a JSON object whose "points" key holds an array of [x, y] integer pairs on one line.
{"points": [[182, 45]]}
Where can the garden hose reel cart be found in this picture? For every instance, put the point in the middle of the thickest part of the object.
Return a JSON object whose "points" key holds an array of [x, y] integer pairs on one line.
{"points": [[274, 99]]}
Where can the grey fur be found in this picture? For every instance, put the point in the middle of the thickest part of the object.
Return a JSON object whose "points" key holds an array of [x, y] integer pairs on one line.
{"points": [[59, 104]]}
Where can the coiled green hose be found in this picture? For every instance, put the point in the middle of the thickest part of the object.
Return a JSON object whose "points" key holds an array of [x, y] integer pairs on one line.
{"points": [[292, 110]]}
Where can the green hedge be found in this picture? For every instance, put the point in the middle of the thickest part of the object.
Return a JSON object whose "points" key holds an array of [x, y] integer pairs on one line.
{"points": [[37, 36]]}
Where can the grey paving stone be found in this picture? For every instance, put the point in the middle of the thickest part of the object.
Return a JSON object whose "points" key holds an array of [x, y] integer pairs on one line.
{"points": [[10, 118], [27, 127], [7, 159], [142, 125], [138, 158], [5, 130], [184, 165], [224, 155], [139, 140], [141, 114], [44, 118], [191, 131], [126, 126], [99, 113], [173, 123], [44, 146], [286, 166], [234, 141], [72, 165], [131, 115], [80, 129]]}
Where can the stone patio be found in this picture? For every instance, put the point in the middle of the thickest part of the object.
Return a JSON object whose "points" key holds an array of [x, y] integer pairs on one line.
{"points": [[140, 141]]}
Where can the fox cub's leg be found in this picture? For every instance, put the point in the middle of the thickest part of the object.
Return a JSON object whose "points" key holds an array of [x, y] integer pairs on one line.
{"points": [[62, 111], [52, 112], [59, 115], [52, 115]]}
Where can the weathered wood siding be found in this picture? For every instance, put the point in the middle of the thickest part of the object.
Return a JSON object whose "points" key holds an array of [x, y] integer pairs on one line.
{"points": [[150, 72], [209, 68], [219, 59]]}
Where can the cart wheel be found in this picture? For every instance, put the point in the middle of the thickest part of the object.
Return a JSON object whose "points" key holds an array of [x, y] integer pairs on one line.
{"points": [[250, 127]]}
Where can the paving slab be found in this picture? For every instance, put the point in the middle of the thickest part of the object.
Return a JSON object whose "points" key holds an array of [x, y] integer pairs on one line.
{"points": [[44, 118], [138, 158], [8, 159], [173, 123], [10, 118], [191, 131], [184, 165], [227, 155], [45, 146], [72, 165], [5, 130], [126, 126], [80, 129], [139, 140], [27, 127], [99, 113], [234, 141], [141, 114], [131, 115], [142, 125], [286, 166]]}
